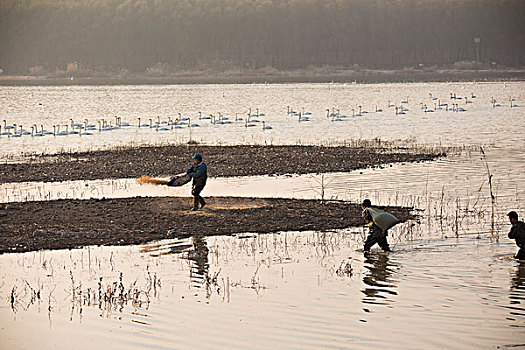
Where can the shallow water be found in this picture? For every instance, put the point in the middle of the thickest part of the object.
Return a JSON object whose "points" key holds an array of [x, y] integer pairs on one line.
{"points": [[49, 106], [450, 282], [288, 290]]}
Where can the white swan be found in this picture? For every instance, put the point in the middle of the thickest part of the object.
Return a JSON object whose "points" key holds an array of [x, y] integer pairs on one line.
{"points": [[87, 128], [192, 125], [44, 132], [205, 117], [9, 127], [24, 132], [63, 132], [87, 125], [303, 119], [144, 125], [75, 125], [121, 123], [4, 132], [15, 134]]}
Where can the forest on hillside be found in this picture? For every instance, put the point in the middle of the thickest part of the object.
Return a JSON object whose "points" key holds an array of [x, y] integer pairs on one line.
{"points": [[171, 35]]}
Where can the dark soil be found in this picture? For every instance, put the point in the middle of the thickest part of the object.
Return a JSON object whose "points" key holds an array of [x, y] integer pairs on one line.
{"points": [[75, 223], [221, 160]]}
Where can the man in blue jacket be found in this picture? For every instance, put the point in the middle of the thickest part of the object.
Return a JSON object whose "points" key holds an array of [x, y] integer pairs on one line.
{"points": [[199, 172]]}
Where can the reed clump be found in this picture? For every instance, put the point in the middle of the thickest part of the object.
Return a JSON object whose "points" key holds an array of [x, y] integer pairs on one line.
{"points": [[114, 295], [26, 297]]}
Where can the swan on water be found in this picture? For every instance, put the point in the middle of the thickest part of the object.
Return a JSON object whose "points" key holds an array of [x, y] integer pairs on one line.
{"points": [[248, 125], [8, 127], [63, 132]]}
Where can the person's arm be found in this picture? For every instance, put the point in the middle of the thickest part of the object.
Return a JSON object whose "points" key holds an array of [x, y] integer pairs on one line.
{"points": [[367, 217], [513, 231], [201, 169], [189, 170]]}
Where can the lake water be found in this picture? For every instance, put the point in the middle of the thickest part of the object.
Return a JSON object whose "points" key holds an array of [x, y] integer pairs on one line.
{"points": [[451, 281]]}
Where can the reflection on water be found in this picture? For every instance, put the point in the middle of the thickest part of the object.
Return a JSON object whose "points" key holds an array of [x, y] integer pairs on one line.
{"points": [[175, 246], [379, 280], [193, 249], [517, 294], [190, 291], [199, 270], [518, 280]]}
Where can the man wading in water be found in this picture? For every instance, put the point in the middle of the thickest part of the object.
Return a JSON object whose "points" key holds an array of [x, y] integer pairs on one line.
{"points": [[517, 232], [376, 234], [199, 172]]}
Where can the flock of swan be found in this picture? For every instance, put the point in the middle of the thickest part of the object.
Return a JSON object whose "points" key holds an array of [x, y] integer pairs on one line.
{"points": [[85, 128], [453, 103]]}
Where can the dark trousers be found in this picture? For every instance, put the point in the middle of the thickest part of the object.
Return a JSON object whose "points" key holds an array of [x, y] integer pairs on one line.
{"points": [[196, 193], [521, 254], [376, 236]]}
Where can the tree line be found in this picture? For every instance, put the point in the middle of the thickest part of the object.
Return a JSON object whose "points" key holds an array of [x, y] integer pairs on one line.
{"points": [[249, 34]]}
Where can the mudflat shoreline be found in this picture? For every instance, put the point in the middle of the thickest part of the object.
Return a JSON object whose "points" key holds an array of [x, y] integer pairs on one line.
{"points": [[71, 223], [222, 161], [67, 224]]}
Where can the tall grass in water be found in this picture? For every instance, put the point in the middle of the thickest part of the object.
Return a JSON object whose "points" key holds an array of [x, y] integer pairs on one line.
{"points": [[113, 296], [25, 297], [492, 197], [322, 186]]}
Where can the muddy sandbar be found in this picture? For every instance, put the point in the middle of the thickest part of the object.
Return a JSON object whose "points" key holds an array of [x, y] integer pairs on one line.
{"points": [[73, 223], [222, 161]]}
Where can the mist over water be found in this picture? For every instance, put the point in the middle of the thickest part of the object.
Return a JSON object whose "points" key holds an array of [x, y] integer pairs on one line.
{"points": [[450, 281], [78, 38]]}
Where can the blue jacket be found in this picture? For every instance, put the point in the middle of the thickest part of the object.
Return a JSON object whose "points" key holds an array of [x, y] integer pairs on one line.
{"points": [[199, 173]]}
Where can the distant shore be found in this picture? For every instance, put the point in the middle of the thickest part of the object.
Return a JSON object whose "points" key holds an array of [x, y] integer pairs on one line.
{"points": [[258, 77]]}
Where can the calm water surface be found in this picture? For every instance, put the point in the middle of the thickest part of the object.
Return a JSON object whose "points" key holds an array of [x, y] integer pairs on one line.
{"points": [[450, 281], [61, 106]]}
